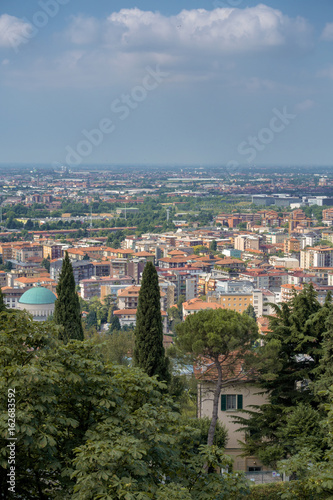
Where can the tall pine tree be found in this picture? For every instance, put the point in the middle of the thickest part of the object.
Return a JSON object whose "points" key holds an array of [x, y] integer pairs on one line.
{"points": [[67, 306], [149, 352]]}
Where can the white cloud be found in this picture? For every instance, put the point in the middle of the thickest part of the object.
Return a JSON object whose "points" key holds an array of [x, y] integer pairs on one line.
{"points": [[195, 45], [304, 105], [220, 30], [13, 31], [83, 30], [327, 33]]}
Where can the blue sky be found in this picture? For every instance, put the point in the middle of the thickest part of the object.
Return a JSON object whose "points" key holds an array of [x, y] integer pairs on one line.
{"points": [[187, 82]]}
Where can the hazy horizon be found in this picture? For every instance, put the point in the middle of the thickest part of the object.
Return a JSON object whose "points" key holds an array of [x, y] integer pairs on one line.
{"points": [[190, 83]]}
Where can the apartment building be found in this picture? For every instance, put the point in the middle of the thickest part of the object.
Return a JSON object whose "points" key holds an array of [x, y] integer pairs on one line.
{"points": [[102, 268], [118, 267], [236, 301], [82, 269], [195, 305], [261, 302], [291, 245], [233, 264], [113, 286], [11, 295], [247, 242], [52, 251], [259, 278], [128, 298], [320, 256], [90, 288], [287, 291]]}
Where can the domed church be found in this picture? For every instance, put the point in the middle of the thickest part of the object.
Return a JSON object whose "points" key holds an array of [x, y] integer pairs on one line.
{"points": [[38, 301]]}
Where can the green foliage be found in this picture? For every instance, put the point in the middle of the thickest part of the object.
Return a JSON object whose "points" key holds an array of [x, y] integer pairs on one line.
{"points": [[314, 467], [250, 312], [277, 491], [199, 437], [213, 246], [324, 370], [89, 430], [200, 249], [116, 347], [149, 351], [175, 313], [287, 365], [29, 225], [114, 324], [2, 304], [67, 311], [91, 319], [46, 263], [218, 332], [224, 337]]}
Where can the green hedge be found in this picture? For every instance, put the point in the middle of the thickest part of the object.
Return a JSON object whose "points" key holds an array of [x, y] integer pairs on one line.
{"points": [[271, 491], [280, 491]]}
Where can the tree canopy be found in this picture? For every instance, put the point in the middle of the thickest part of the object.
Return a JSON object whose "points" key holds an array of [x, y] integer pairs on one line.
{"points": [[290, 368], [224, 337], [88, 429]]}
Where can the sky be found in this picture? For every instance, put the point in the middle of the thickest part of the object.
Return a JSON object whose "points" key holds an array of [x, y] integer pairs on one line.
{"points": [[200, 82]]}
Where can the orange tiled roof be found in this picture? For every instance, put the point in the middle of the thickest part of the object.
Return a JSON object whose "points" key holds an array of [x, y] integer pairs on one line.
{"points": [[198, 304], [130, 291]]}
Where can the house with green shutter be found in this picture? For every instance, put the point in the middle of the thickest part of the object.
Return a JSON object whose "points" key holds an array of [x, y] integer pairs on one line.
{"points": [[238, 393]]}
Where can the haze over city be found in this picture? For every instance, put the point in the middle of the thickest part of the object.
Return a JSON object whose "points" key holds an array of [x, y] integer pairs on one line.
{"points": [[186, 83]]}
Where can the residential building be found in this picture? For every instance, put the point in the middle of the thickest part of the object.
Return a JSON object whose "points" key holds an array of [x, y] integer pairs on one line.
{"points": [[52, 251], [82, 269], [237, 395], [285, 262], [287, 291], [291, 245], [261, 302], [236, 301], [247, 242], [320, 256], [90, 288], [11, 295]]}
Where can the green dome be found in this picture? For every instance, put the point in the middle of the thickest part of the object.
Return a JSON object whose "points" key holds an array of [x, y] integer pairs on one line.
{"points": [[38, 295]]}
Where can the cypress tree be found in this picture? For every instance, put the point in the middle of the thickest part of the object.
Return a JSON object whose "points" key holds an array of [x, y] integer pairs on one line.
{"points": [[149, 352], [67, 306], [2, 304]]}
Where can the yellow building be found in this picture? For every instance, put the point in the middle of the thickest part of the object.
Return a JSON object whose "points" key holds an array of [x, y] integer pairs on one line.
{"points": [[235, 301], [291, 245]]}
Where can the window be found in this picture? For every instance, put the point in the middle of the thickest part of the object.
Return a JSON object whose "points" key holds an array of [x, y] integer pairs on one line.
{"points": [[254, 469], [230, 402]]}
